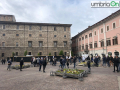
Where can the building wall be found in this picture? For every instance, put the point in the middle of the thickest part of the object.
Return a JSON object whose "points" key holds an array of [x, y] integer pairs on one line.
{"points": [[47, 37], [110, 34]]}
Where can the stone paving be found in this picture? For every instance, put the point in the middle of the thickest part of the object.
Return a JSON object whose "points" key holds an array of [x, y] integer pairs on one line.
{"points": [[31, 79]]}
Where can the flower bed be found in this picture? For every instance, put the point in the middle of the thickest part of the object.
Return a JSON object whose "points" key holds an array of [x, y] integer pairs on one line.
{"points": [[18, 67], [85, 64], [74, 73]]}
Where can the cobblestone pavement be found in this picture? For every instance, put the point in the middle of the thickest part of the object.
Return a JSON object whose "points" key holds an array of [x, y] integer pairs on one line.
{"points": [[31, 79]]}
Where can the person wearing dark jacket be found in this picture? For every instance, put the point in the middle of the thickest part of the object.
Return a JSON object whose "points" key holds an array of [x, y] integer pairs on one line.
{"points": [[63, 62], [88, 63], [21, 64], [116, 61], [107, 61], [60, 62], [104, 61], [111, 60], [9, 64], [44, 64], [74, 61], [40, 64], [96, 61]]}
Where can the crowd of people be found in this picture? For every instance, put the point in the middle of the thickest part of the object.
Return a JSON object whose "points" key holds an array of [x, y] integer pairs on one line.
{"points": [[68, 60]]}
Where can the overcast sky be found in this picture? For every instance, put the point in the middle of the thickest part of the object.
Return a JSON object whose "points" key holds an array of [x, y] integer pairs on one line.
{"points": [[76, 12]]}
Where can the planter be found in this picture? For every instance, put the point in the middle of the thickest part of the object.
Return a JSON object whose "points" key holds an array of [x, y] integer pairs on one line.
{"points": [[72, 73]]}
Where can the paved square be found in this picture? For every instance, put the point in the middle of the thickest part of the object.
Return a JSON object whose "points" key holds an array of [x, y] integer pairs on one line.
{"points": [[31, 79]]}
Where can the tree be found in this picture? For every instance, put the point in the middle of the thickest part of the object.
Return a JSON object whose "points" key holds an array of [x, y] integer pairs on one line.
{"points": [[13, 54], [61, 52], [71, 53], [25, 53], [38, 54], [49, 54]]}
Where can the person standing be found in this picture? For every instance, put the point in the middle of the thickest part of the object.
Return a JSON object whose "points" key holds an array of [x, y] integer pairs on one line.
{"points": [[34, 61], [31, 60], [63, 63], [21, 64], [40, 64], [67, 63], [60, 62], [88, 63], [9, 64], [74, 61], [2, 61], [44, 64], [116, 61], [104, 61], [107, 61], [111, 60]]}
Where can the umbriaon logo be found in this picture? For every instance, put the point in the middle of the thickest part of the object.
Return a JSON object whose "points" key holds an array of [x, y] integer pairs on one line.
{"points": [[112, 4]]}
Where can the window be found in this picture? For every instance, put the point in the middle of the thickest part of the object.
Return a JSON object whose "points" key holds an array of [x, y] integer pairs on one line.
{"points": [[2, 54], [82, 38], [29, 27], [95, 32], [40, 53], [86, 46], [64, 35], [65, 53], [82, 47], [54, 28], [107, 28], [30, 35], [40, 43], [16, 53], [102, 43], [29, 43], [90, 35], [54, 35], [17, 34], [102, 30], [64, 28], [55, 53], [29, 53], [16, 44], [79, 39], [3, 44], [17, 26], [115, 41], [90, 45], [65, 43], [40, 27], [114, 25], [55, 43], [95, 45], [108, 42], [3, 34], [3, 26], [40, 35], [85, 36]]}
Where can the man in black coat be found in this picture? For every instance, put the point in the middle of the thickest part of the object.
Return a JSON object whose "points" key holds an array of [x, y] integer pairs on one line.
{"points": [[40, 64], [74, 61], [116, 61], [44, 64], [108, 61], [21, 64]]}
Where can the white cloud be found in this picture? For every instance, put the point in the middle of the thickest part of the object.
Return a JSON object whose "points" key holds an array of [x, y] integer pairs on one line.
{"points": [[76, 12]]}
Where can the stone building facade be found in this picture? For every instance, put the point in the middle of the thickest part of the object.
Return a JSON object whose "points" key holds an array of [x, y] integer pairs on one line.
{"points": [[42, 38]]}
